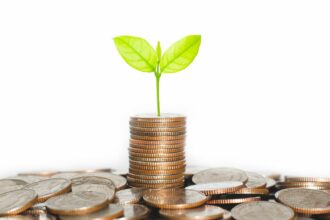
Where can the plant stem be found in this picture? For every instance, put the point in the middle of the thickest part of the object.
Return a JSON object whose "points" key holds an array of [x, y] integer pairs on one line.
{"points": [[157, 92]]}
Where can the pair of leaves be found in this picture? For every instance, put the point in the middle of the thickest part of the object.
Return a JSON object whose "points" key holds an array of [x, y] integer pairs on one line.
{"points": [[139, 54]]}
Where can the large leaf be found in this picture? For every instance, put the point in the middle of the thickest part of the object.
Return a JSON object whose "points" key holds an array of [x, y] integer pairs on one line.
{"points": [[137, 53], [180, 54]]}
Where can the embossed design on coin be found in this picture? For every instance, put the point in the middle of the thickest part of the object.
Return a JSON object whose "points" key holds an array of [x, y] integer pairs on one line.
{"points": [[261, 211], [49, 188], [15, 202], [204, 212], [93, 180], [119, 181], [129, 196], [28, 179], [7, 185], [305, 201], [217, 188], [255, 180], [174, 198], [135, 212], [110, 192], [77, 203], [220, 175]]}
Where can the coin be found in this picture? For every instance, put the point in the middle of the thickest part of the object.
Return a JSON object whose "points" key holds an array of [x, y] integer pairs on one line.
{"points": [[45, 174], [156, 124], [305, 201], [158, 129], [220, 175], [233, 201], [77, 203], [217, 187], [306, 179], [153, 134], [157, 143], [158, 138], [17, 201], [135, 212], [270, 182], [165, 117], [156, 172], [255, 180], [262, 210], [155, 177], [112, 211], [157, 150], [29, 217], [158, 155], [156, 164], [154, 147], [28, 178], [156, 159], [66, 175], [157, 167], [49, 188], [192, 170], [204, 212], [174, 198], [119, 181], [110, 192], [128, 196], [7, 185], [36, 209], [307, 185], [251, 191], [93, 180], [163, 181], [156, 185]]}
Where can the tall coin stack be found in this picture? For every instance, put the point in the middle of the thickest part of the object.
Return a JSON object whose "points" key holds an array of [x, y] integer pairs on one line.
{"points": [[156, 153]]}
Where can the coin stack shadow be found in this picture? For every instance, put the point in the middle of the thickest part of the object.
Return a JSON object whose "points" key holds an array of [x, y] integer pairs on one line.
{"points": [[156, 152]]}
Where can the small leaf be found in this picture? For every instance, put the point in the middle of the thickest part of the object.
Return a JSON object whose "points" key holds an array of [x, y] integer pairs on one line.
{"points": [[180, 54], [137, 53], [159, 51]]}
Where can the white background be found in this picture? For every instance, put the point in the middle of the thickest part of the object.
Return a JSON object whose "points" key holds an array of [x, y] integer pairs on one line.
{"points": [[256, 96]]}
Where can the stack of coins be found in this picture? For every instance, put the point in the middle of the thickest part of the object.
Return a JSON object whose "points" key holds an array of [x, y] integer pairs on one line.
{"points": [[156, 153]]}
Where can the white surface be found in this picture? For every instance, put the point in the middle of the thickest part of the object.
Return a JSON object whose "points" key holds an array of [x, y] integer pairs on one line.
{"points": [[256, 97]]}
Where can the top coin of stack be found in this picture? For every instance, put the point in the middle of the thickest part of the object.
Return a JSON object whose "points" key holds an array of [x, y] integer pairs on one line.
{"points": [[156, 153]]}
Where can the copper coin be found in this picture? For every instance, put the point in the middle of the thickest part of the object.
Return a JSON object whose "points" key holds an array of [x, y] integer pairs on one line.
{"points": [[174, 198], [164, 117], [217, 187], [146, 181], [7, 185], [306, 179], [220, 175], [128, 196], [307, 185], [49, 188], [156, 159], [158, 138], [156, 185], [28, 179], [305, 201], [110, 192], [262, 210], [157, 143], [251, 191], [17, 201], [155, 164], [119, 181], [157, 167], [155, 177], [156, 124], [77, 203], [112, 211], [255, 180], [135, 212], [207, 212], [155, 172], [161, 129], [233, 201], [160, 147], [158, 155], [153, 134], [93, 180], [158, 150]]}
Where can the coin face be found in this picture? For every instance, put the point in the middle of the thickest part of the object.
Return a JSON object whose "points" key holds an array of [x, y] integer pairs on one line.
{"points": [[29, 217], [49, 188], [28, 178], [112, 211], [7, 185], [119, 181], [220, 175], [305, 201], [255, 180], [77, 203], [203, 212], [93, 180], [128, 196], [174, 198], [110, 192], [15, 202], [66, 175], [135, 212], [261, 211], [217, 187]]}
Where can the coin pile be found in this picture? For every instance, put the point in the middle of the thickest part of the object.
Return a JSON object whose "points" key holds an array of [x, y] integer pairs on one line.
{"points": [[156, 152]]}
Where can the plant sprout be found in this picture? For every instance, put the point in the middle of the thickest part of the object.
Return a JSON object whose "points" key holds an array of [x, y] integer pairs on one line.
{"points": [[140, 55]]}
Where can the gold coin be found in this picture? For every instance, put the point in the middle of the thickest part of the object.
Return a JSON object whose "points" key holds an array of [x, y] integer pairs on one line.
{"points": [[17, 201], [158, 150], [155, 177], [155, 172], [7, 185], [156, 124], [255, 180], [77, 203], [162, 129], [157, 143], [156, 134], [165, 117], [206, 212], [217, 187], [156, 159], [159, 155], [158, 164], [49, 188], [146, 181], [251, 191], [112, 211], [157, 168], [156, 186], [233, 201], [110, 192], [174, 198], [262, 210], [306, 179], [135, 212], [220, 175], [176, 147], [305, 201], [158, 138], [128, 196]]}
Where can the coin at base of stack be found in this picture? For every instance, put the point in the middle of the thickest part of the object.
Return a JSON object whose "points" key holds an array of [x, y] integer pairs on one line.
{"points": [[157, 157]]}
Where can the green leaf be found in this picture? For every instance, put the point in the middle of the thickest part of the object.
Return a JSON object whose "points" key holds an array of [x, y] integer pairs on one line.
{"points": [[159, 51], [180, 54], [137, 53]]}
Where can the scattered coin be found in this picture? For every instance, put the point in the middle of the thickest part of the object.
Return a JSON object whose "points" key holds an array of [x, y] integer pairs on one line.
{"points": [[48, 188], [110, 192], [220, 175], [45, 174], [255, 180], [251, 191], [93, 180], [135, 212], [128, 196], [270, 182], [232, 201], [7, 185], [305, 201], [28, 178], [29, 217], [261, 211], [17, 201], [306, 179], [77, 203], [174, 198], [204, 212], [119, 181], [217, 187], [66, 175], [36, 209]]}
